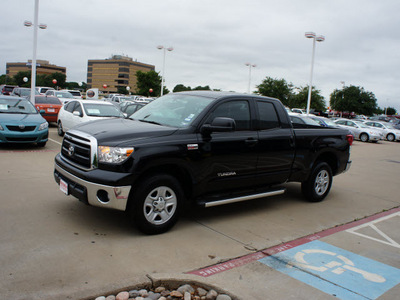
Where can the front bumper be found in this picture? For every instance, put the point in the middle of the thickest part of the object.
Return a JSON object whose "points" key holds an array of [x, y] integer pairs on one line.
{"points": [[113, 197]]}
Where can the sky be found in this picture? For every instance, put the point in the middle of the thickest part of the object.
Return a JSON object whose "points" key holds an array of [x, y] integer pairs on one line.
{"points": [[214, 39]]}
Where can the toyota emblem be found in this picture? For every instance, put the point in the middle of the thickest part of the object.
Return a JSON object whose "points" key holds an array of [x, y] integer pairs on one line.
{"points": [[71, 150]]}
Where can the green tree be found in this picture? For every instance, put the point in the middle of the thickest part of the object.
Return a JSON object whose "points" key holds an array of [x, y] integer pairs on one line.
{"points": [[202, 88], [149, 80], [19, 78], [391, 111], [301, 98], [4, 79], [181, 88], [276, 88], [354, 99]]}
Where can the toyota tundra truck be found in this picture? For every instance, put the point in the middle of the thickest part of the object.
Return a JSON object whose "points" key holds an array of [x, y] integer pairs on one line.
{"points": [[207, 148]]}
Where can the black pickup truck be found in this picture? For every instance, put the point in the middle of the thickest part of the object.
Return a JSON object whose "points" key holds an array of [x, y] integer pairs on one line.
{"points": [[209, 148]]}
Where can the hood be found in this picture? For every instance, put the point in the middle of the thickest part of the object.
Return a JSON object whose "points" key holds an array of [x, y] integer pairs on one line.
{"points": [[21, 118], [113, 132]]}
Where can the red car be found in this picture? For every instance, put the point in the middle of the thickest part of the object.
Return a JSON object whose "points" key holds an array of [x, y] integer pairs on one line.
{"points": [[50, 104]]}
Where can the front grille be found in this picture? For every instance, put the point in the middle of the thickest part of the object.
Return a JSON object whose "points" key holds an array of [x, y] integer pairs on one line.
{"points": [[21, 128], [77, 150]]}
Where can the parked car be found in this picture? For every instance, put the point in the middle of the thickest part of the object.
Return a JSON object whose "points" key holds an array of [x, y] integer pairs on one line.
{"points": [[298, 110], [319, 112], [20, 122], [379, 118], [22, 92], [50, 106], [302, 121], [205, 148], [389, 132], [360, 131], [75, 93], [130, 107], [6, 89], [325, 122], [81, 111], [43, 89], [64, 97]]}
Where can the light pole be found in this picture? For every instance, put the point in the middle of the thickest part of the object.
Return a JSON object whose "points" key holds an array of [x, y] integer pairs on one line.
{"points": [[163, 69], [250, 66], [320, 38], [35, 27]]}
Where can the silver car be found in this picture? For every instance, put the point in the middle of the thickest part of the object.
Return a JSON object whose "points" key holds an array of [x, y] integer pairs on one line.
{"points": [[389, 132], [360, 131]]}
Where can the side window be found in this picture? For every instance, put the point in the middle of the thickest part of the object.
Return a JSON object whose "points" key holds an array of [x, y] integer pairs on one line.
{"points": [[237, 110], [268, 116], [341, 122], [78, 108], [70, 106]]}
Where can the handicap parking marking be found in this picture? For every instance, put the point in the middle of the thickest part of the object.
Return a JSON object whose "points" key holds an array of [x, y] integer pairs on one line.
{"points": [[335, 271]]}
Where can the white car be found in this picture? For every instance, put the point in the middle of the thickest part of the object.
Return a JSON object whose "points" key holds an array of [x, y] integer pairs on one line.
{"points": [[81, 111], [360, 131], [390, 133], [75, 93], [64, 97]]}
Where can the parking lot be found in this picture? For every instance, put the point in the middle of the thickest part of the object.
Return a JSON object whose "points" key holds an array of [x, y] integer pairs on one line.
{"points": [[53, 246]]}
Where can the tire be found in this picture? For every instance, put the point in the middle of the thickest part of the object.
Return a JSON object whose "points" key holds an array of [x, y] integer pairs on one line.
{"points": [[318, 185], [156, 204], [60, 130], [364, 137], [390, 137]]}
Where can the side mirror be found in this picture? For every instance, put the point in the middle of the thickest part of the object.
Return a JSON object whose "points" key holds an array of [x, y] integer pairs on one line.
{"points": [[42, 111], [219, 124]]}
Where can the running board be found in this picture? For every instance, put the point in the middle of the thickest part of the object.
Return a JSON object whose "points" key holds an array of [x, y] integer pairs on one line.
{"points": [[244, 198]]}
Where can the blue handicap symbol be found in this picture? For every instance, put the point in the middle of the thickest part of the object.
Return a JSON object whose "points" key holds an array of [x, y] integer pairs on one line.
{"points": [[335, 271]]}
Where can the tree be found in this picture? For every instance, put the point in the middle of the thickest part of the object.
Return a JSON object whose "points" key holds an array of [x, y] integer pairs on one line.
{"points": [[202, 88], [300, 99], [181, 88], [276, 88], [19, 78], [391, 111], [149, 80], [4, 79], [354, 99]]}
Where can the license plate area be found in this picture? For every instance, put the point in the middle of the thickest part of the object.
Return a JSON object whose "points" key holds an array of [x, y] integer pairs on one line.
{"points": [[64, 186]]}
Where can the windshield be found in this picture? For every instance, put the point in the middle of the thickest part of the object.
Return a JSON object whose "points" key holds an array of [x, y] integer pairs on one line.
{"points": [[101, 110], [47, 100], [17, 106], [174, 110], [27, 92], [64, 95]]}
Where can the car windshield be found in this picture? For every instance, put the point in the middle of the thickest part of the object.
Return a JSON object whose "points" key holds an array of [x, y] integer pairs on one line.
{"points": [[101, 110], [17, 106], [174, 110], [27, 92], [64, 95], [47, 100]]}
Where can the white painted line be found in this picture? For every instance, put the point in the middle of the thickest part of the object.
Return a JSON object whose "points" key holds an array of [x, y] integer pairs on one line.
{"points": [[54, 141], [388, 241]]}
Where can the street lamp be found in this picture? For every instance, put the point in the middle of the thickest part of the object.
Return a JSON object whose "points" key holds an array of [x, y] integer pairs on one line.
{"points": [[250, 66], [163, 69], [319, 38], [35, 27]]}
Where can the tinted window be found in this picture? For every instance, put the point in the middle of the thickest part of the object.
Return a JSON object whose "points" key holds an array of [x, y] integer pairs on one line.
{"points": [[237, 110], [268, 116], [70, 106], [47, 100]]}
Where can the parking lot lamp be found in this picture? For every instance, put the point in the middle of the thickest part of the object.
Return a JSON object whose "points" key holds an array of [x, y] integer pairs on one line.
{"points": [[319, 38], [35, 28], [163, 69], [250, 66]]}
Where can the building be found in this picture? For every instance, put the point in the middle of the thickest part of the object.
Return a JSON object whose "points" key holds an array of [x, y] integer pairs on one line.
{"points": [[116, 72], [42, 67]]}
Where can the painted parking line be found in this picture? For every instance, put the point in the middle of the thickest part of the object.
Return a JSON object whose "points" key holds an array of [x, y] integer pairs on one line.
{"points": [[335, 271]]}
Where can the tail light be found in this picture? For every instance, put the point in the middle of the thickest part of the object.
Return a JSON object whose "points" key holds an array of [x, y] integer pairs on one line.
{"points": [[350, 139]]}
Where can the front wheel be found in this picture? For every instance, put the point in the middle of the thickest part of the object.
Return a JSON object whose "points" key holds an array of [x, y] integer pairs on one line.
{"points": [[60, 130], [318, 185], [364, 137], [156, 204], [390, 137]]}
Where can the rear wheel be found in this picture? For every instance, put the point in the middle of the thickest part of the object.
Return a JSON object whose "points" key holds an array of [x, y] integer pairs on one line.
{"points": [[364, 137], [318, 185], [156, 204], [390, 137], [60, 130]]}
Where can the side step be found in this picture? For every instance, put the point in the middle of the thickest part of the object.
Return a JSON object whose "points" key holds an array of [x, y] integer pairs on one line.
{"points": [[244, 198]]}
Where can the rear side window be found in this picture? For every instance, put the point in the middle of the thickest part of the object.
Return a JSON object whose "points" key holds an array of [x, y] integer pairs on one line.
{"points": [[268, 116]]}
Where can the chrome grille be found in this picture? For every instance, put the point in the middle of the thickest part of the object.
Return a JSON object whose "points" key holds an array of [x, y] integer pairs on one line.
{"points": [[80, 150]]}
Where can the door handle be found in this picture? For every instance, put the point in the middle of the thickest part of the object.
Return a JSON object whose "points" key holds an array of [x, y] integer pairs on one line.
{"points": [[251, 142]]}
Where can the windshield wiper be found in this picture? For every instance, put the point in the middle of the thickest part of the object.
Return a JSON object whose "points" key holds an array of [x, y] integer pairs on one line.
{"points": [[148, 121]]}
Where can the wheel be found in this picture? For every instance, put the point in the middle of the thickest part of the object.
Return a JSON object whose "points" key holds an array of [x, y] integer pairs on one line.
{"points": [[156, 204], [318, 185], [364, 137], [60, 130], [41, 144], [390, 137]]}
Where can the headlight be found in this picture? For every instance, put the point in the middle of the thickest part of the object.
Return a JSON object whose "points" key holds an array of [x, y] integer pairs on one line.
{"points": [[43, 126], [114, 155]]}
